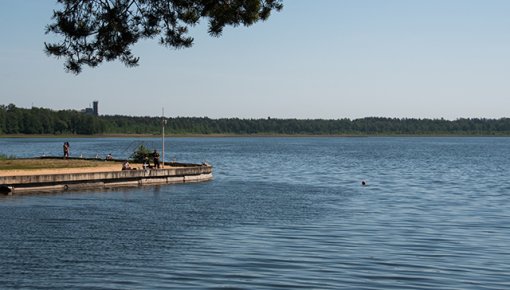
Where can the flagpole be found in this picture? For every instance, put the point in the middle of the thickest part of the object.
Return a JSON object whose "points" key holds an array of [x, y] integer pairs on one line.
{"points": [[163, 135]]}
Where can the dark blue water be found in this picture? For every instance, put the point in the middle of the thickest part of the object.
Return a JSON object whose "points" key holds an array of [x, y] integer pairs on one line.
{"points": [[281, 213]]}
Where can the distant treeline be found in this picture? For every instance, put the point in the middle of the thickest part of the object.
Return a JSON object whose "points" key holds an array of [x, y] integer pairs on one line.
{"points": [[14, 120]]}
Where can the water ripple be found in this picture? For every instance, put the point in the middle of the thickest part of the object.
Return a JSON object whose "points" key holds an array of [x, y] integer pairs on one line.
{"points": [[281, 213]]}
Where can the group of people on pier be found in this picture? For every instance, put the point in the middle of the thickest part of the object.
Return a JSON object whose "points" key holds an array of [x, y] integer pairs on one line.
{"points": [[155, 159], [146, 162], [125, 165]]}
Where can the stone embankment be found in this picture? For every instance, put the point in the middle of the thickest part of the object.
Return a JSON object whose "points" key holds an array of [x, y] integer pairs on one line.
{"points": [[172, 173]]}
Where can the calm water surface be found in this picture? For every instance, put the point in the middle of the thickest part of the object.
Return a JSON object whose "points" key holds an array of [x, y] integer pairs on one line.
{"points": [[281, 213]]}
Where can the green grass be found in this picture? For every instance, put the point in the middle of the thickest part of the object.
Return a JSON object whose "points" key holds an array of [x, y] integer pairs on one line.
{"points": [[27, 164], [6, 157]]}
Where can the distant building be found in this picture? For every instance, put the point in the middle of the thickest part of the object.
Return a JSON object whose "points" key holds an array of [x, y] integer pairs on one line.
{"points": [[95, 107], [94, 111]]}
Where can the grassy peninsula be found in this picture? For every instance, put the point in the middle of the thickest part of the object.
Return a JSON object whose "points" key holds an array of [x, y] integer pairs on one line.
{"points": [[30, 164]]}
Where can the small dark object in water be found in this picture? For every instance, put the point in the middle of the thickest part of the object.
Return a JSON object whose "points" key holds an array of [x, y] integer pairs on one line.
{"points": [[363, 182]]}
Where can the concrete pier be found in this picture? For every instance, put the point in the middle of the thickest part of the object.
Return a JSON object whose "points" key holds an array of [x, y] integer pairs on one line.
{"points": [[23, 184]]}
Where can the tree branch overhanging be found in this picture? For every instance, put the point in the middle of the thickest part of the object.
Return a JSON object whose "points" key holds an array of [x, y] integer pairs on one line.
{"points": [[94, 31]]}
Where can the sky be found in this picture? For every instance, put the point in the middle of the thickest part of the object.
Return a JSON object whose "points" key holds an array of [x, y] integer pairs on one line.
{"points": [[326, 59]]}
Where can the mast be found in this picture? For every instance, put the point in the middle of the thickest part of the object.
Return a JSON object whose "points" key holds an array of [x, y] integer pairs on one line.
{"points": [[163, 122]]}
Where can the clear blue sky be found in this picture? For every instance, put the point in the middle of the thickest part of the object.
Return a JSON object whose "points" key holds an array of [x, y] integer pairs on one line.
{"points": [[315, 59]]}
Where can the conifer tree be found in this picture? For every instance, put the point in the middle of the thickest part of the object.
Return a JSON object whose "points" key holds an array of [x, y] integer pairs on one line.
{"points": [[94, 31]]}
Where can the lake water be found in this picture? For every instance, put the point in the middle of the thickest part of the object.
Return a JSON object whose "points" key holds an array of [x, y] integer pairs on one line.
{"points": [[281, 213]]}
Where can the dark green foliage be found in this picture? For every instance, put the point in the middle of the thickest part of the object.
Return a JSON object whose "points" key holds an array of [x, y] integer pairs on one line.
{"points": [[2, 119], [140, 154], [45, 121], [15, 120], [94, 31]]}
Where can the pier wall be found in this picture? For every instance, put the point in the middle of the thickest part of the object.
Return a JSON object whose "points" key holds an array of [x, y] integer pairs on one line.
{"points": [[76, 181]]}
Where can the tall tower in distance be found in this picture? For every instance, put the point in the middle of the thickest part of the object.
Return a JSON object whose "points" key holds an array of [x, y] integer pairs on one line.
{"points": [[95, 107]]}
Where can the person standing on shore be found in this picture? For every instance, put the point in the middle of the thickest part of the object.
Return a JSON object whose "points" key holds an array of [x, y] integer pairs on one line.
{"points": [[66, 150]]}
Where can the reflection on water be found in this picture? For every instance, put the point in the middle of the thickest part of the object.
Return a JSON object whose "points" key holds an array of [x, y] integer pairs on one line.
{"points": [[280, 213]]}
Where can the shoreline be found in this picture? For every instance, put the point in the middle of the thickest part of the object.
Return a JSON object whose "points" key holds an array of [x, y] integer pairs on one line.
{"points": [[71, 136]]}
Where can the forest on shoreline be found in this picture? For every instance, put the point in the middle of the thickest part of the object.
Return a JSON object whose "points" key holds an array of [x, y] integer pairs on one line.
{"points": [[42, 121]]}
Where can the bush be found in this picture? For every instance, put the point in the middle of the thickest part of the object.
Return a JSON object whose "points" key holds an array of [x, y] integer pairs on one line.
{"points": [[140, 154]]}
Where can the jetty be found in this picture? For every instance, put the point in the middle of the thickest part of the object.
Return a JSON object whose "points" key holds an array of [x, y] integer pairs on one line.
{"points": [[111, 176]]}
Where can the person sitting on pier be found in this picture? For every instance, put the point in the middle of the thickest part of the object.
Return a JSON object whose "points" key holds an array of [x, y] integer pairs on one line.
{"points": [[109, 156], [126, 166], [155, 156], [146, 163]]}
